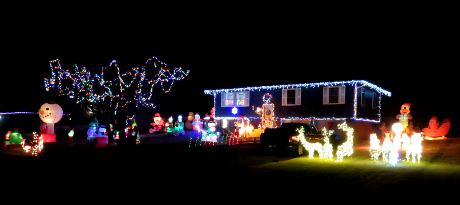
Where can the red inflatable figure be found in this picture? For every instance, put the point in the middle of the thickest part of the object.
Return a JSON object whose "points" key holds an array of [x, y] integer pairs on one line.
{"points": [[436, 132]]}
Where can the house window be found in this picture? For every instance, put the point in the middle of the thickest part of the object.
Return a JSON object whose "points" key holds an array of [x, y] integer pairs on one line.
{"points": [[363, 97], [238, 99], [291, 97], [334, 95], [228, 99], [242, 99], [375, 100]]}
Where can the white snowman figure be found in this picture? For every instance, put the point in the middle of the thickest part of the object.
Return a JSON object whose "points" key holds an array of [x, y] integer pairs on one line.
{"points": [[50, 114]]}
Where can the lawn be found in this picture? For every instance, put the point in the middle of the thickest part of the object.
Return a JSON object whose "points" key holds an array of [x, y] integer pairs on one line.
{"points": [[438, 169]]}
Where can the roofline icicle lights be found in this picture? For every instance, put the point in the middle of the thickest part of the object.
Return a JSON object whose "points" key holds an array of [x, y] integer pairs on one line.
{"points": [[302, 85]]}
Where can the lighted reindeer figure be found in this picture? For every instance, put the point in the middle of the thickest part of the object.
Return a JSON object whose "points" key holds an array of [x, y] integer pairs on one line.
{"points": [[415, 150], [386, 147], [310, 147], [327, 146], [374, 148], [345, 149], [405, 142]]}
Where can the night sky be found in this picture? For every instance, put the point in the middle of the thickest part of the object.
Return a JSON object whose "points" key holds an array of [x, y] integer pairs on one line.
{"points": [[414, 57]]}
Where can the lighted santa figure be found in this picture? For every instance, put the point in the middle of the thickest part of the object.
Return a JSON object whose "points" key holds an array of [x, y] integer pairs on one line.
{"points": [[197, 123], [404, 117], [158, 124], [188, 123]]}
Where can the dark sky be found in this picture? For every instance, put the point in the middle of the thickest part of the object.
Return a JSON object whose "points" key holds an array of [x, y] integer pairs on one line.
{"points": [[414, 55]]}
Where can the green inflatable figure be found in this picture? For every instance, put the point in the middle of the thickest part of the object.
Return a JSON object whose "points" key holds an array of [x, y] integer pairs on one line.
{"points": [[13, 137]]}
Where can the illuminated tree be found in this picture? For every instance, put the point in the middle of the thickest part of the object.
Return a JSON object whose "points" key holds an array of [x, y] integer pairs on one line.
{"points": [[111, 90]]}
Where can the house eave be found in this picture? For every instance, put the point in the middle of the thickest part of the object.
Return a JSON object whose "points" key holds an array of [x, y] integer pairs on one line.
{"points": [[303, 85]]}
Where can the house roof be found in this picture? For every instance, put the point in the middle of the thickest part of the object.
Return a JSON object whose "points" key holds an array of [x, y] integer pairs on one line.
{"points": [[303, 85]]}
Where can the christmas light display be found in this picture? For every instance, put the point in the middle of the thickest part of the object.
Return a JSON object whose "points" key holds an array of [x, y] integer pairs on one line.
{"points": [[158, 124], [243, 127], [303, 85], [197, 123], [404, 117], [374, 147], [310, 147], [210, 134], [327, 146], [386, 147], [267, 112], [234, 110], [345, 149], [71, 133], [50, 114], [179, 126], [394, 154], [355, 83], [397, 128], [405, 139], [355, 102], [391, 149], [18, 113], [13, 137], [415, 149], [436, 131], [112, 89], [325, 151], [224, 123], [35, 147]]}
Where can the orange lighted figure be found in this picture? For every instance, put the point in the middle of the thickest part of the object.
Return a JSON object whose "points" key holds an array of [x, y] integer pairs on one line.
{"points": [[404, 117]]}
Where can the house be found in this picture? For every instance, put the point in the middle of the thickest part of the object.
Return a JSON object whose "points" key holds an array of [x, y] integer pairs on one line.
{"points": [[354, 100]]}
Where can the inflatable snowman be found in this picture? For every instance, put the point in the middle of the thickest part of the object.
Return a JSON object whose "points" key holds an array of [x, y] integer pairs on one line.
{"points": [[50, 114]]}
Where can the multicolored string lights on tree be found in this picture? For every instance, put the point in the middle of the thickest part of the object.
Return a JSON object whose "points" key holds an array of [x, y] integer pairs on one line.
{"points": [[113, 89]]}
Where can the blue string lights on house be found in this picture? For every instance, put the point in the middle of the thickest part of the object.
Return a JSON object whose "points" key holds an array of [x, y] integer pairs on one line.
{"points": [[303, 85], [113, 88], [353, 116]]}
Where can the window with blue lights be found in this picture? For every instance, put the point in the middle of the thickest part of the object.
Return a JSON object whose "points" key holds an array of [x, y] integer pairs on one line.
{"points": [[235, 99], [228, 100]]}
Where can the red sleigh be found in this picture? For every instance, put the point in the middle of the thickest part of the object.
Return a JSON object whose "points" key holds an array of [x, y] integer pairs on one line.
{"points": [[436, 132]]}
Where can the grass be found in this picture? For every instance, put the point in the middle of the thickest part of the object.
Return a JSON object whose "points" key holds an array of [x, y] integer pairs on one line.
{"points": [[438, 169]]}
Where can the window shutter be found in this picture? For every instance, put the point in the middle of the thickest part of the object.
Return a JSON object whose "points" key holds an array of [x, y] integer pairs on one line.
{"points": [[325, 95], [298, 96], [284, 98], [342, 94], [246, 99]]}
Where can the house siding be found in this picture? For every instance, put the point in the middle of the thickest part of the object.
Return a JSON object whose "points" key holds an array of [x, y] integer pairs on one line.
{"points": [[311, 105]]}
